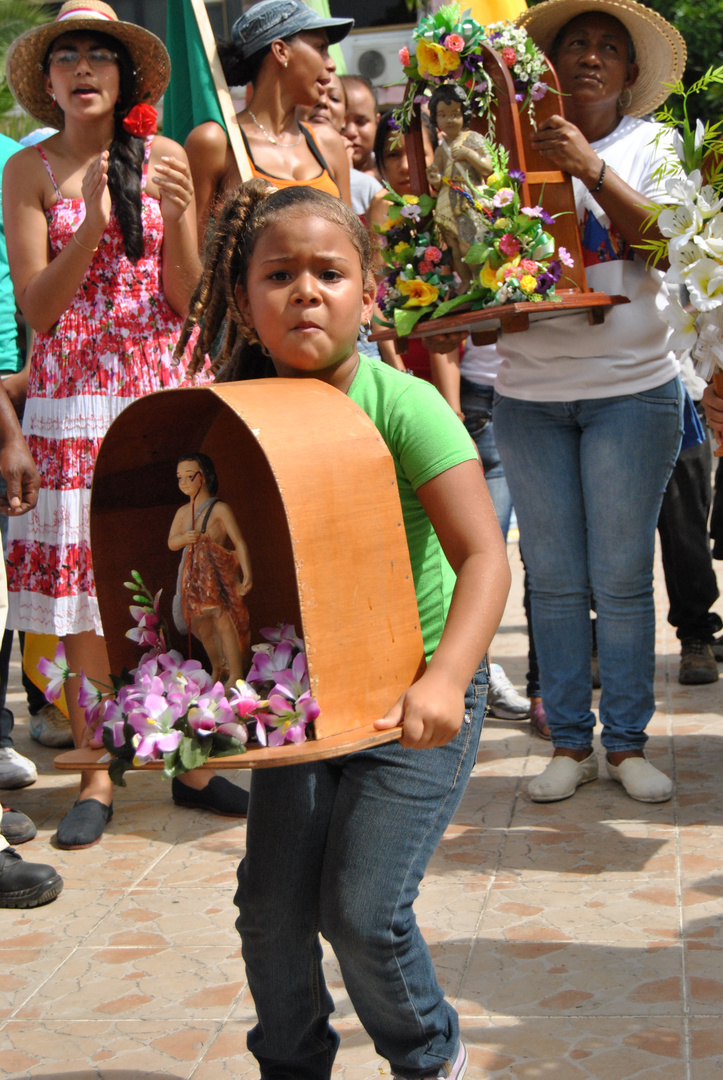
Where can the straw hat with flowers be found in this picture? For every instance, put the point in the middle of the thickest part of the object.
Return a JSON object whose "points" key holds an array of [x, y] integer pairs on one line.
{"points": [[660, 51], [25, 62]]}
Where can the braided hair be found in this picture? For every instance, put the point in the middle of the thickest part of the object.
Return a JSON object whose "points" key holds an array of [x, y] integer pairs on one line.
{"points": [[214, 308]]}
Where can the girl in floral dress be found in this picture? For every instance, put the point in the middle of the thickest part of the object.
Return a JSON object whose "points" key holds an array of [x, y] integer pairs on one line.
{"points": [[101, 237]]}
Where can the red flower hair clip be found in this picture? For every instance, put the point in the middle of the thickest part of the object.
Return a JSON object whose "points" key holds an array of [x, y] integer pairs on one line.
{"points": [[141, 121]]}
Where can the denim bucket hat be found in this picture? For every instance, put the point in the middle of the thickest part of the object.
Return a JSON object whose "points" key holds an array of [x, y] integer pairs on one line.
{"points": [[272, 19]]}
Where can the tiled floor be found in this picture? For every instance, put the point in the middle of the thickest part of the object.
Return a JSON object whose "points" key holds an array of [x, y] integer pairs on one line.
{"points": [[578, 940]]}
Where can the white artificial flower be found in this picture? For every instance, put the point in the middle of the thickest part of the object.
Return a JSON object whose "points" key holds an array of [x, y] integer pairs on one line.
{"points": [[682, 221], [708, 350], [684, 189], [704, 280], [708, 201], [684, 334], [681, 257], [710, 241]]}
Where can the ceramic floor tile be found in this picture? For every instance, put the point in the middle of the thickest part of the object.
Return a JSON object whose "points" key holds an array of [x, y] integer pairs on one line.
{"points": [[104, 1049], [552, 973], [128, 981]]}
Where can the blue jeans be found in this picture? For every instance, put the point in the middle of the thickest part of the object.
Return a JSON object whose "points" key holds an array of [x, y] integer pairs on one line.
{"points": [[339, 847], [587, 480], [476, 403]]}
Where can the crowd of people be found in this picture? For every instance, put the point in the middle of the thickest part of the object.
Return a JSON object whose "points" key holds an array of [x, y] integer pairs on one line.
{"points": [[578, 428]]}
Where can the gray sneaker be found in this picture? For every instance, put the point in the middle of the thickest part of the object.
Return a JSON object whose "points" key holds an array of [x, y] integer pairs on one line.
{"points": [[51, 727], [451, 1070]]}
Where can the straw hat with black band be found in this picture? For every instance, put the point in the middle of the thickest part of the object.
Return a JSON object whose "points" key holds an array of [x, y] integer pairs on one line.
{"points": [[660, 51], [24, 65]]}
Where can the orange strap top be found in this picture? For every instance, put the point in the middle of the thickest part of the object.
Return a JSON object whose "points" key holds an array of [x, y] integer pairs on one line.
{"points": [[323, 182]]}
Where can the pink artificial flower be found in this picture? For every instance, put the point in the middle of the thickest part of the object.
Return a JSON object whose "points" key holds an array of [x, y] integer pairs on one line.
{"points": [[90, 699], [433, 255], [565, 256], [455, 42], [509, 55], [56, 671], [503, 197], [404, 56], [509, 245], [528, 266]]}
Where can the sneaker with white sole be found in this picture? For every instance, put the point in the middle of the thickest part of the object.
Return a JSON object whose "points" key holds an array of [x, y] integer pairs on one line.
{"points": [[451, 1070], [51, 727], [503, 701], [15, 770]]}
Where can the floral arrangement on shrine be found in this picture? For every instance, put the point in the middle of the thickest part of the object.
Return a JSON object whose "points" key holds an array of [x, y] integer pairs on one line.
{"points": [[692, 224], [449, 49], [169, 708], [513, 261]]}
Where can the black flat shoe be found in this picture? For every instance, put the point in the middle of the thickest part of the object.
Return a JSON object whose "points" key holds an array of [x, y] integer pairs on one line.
{"points": [[84, 823], [219, 796]]}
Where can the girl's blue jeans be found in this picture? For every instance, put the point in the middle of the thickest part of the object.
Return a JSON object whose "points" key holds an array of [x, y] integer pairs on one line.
{"points": [[339, 847], [587, 481]]}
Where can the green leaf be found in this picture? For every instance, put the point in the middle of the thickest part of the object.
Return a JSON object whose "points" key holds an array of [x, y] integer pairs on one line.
{"points": [[405, 319], [117, 770], [478, 254], [193, 753], [450, 305]]}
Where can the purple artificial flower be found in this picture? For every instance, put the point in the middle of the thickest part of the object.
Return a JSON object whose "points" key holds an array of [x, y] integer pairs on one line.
{"points": [[294, 681], [555, 270], [90, 699], [282, 632], [545, 282], [520, 97], [266, 665], [56, 671], [539, 90], [565, 256], [546, 218], [517, 175], [243, 699]]}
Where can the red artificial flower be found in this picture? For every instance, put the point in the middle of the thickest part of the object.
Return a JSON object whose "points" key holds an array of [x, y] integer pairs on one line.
{"points": [[404, 56], [433, 254], [141, 121], [509, 244], [509, 55]]}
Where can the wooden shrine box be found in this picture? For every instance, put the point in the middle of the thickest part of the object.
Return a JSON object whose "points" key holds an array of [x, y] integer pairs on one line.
{"points": [[313, 488], [512, 128]]}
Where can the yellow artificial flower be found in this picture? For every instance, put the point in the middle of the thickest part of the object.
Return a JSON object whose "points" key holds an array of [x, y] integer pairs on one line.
{"points": [[435, 60], [488, 277], [528, 284], [411, 200], [420, 293]]}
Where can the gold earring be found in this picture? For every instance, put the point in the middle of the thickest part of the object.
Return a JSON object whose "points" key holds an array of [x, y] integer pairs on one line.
{"points": [[625, 100]]}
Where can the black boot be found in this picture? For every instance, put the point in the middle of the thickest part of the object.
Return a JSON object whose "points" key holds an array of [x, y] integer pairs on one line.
{"points": [[24, 885]]}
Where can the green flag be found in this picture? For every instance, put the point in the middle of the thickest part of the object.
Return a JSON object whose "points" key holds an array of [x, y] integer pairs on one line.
{"points": [[191, 97], [321, 7]]}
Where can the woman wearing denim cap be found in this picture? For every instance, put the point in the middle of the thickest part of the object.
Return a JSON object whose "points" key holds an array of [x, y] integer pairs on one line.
{"points": [[281, 48], [588, 418]]}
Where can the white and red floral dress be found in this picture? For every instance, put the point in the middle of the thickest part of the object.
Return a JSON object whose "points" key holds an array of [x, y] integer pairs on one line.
{"points": [[113, 344]]}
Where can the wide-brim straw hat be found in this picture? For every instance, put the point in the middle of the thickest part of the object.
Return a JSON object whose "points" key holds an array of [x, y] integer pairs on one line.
{"points": [[660, 50], [26, 55]]}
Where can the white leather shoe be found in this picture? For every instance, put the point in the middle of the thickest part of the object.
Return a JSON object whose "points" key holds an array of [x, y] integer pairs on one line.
{"points": [[562, 778], [641, 779]]}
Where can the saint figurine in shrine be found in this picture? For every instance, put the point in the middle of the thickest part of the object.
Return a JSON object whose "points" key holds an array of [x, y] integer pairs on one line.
{"points": [[215, 571], [459, 168]]}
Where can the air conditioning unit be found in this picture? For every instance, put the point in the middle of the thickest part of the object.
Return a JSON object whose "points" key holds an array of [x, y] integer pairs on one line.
{"points": [[375, 53]]}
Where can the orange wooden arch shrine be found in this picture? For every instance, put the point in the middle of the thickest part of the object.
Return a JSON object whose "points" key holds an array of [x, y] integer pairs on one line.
{"points": [[313, 488], [512, 129]]}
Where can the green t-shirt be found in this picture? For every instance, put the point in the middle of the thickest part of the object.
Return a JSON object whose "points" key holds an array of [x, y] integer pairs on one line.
{"points": [[425, 438]]}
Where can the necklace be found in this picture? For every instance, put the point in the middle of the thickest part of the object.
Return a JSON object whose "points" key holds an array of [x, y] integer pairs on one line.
{"points": [[271, 138]]}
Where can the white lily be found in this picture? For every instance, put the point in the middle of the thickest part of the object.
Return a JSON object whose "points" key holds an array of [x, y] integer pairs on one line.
{"points": [[708, 351], [708, 201]]}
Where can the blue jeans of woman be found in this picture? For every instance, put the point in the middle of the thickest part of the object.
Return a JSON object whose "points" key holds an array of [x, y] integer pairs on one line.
{"points": [[587, 481], [339, 847]]}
